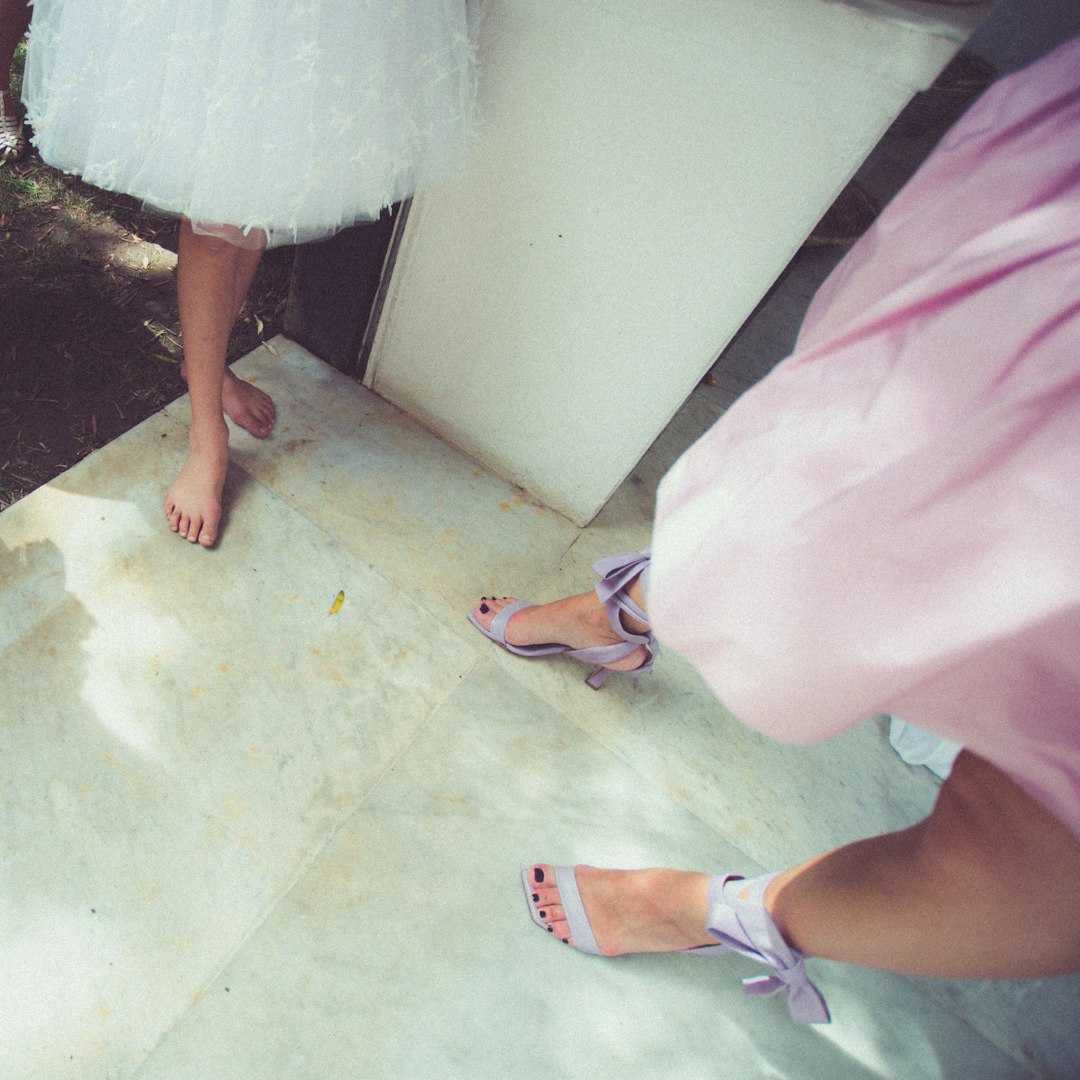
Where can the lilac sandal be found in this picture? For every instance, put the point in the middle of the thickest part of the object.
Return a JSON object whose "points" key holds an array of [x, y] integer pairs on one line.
{"points": [[739, 922], [616, 573]]}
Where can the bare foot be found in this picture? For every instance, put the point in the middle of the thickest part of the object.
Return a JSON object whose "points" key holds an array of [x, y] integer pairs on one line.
{"points": [[245, 404], [578, 621], [630, 911], [193, 505]]}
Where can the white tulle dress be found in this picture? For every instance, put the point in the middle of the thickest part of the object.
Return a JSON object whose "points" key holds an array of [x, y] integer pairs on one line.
{"points": [[293, 117]]}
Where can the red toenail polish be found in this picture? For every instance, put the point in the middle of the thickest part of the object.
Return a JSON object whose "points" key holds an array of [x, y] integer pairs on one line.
{"points": [[484, 609]]}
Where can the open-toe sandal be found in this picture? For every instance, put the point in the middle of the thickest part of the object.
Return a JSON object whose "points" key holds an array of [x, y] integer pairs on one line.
{"points": [[616, 574], [737, 920]]}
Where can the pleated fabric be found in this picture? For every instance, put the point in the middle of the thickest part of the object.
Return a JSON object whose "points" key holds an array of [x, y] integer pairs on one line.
{"points": [[294, 117]]}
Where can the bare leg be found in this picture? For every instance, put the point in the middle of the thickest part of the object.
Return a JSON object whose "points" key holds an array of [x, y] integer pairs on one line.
{"points": [[210, 272], [984, 888], [578, 621], [246, 405]]}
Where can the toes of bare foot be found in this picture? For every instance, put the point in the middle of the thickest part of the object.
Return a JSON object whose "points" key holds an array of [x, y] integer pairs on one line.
{"points": [[248, 406], [195, 530], [193, 504]]}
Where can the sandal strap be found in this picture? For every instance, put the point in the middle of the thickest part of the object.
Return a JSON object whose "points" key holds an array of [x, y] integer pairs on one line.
{"points": [[605, 654], [616, 573], [738, 920], [498, 624], [11, 135], [570, 899]]}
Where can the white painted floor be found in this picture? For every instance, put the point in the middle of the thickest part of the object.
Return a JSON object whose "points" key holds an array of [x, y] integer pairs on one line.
{"points": [[247, 838]]}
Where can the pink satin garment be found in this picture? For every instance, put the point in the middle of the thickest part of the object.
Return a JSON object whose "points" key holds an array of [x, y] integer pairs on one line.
{"points": [[890, 521]]}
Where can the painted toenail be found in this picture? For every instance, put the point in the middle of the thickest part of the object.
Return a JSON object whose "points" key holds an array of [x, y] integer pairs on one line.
{"points": [[566, 941], [538, 875], [484, 609], [536, 898], [542, 914], [551, 929]]}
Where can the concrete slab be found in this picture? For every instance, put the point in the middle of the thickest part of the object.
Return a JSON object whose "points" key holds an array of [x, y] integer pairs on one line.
{"points": [[246, 837]]}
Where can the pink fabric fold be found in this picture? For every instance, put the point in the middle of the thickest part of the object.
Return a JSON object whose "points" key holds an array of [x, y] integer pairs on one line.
{"points": [[890, 521]]}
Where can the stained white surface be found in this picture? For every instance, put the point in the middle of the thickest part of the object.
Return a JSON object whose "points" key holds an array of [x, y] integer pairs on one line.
{"points": [[245, 838], [641, 175]]}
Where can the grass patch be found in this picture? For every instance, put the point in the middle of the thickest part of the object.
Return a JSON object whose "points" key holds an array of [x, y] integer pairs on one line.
{"points": [[19, 190]]}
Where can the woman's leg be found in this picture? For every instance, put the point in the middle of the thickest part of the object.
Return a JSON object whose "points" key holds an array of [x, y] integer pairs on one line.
{"points": [[245, 405], [984, 888], [212, 279]]}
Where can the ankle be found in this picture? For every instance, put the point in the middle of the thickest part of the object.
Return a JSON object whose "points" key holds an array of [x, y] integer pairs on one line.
{"points": [[593, 614], [632, 625], [599, 620], [209, 437]]}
